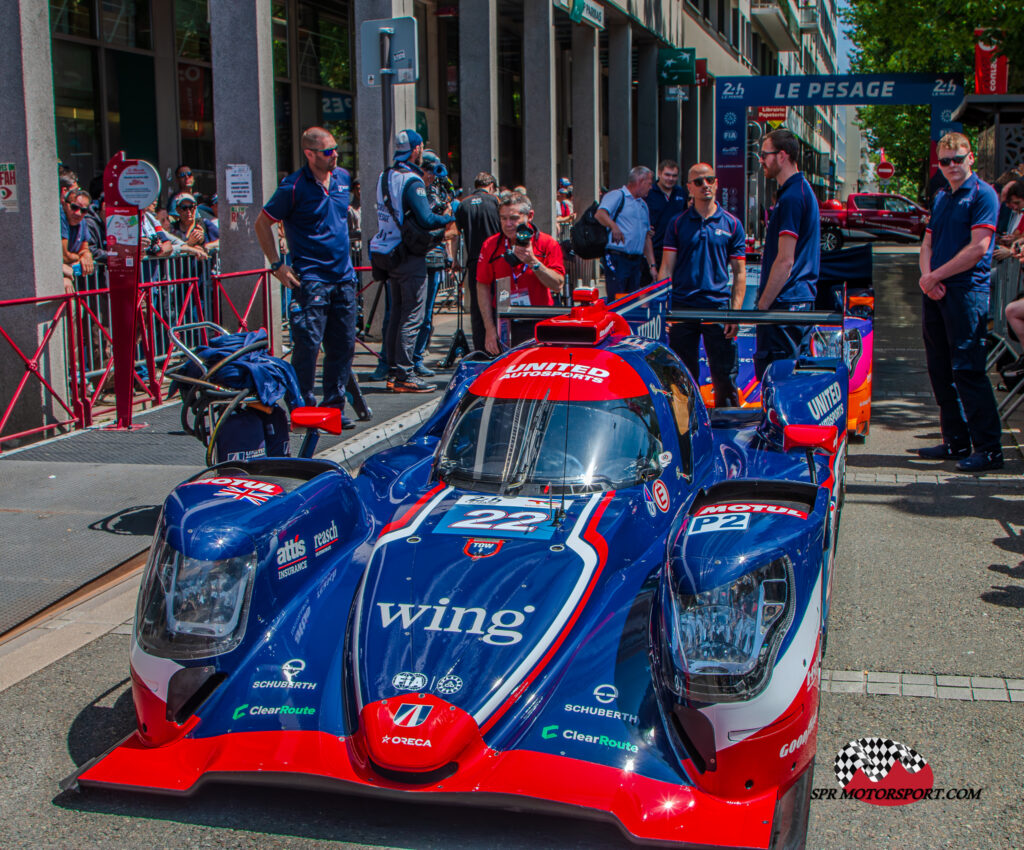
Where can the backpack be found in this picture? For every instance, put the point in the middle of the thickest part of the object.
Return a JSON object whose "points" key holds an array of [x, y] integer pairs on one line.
{"points": [[588, 236]]}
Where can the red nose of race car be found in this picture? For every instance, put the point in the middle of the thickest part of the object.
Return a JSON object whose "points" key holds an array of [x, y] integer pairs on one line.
{"points": [[418, 733]]}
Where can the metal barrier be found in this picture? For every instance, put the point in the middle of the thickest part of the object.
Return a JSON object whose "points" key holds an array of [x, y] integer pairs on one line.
{"points": [[1007, 282], [78, 324]]}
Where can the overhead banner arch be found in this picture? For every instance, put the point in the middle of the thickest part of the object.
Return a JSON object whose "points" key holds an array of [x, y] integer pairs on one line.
{"points": [[734, 95]]}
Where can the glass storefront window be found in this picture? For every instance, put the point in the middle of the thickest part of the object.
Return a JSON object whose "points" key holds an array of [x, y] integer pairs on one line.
{"points": [[283, 125], [279, 37], [77, 109], [334, 111], [73, 17], [126, 23], [192, 29], [195, 113], [324, 58], [131, 104]]}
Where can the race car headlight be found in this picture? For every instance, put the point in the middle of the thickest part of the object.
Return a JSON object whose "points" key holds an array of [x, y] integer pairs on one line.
{"points": [[725, 639], [190, 608]]}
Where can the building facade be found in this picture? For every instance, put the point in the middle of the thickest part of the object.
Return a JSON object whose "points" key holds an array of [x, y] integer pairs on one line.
{"points": [[138, 75]]}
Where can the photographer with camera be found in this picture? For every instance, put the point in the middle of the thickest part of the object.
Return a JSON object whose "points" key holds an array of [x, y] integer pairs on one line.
{"points": [[530, 261], [406, 230]]}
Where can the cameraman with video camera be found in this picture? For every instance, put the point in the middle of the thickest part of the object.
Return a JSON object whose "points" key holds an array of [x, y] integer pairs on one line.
{"points": [[529, 260]]}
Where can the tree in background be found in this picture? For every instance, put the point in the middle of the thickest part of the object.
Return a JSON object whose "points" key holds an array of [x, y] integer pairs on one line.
{"points": [[924, 36]]}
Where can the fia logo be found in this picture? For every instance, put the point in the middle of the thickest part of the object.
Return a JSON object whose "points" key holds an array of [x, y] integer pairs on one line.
{"points": [[410, 714]]}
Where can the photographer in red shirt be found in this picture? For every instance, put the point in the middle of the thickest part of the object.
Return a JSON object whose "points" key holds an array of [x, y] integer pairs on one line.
{"points": [[531, 262]]}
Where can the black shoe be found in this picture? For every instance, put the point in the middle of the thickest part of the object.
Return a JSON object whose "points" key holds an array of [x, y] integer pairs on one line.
{"points": [[943, 452], [1014, 370], [412, 384], [423, 371], [347, 424], [982, 462]]}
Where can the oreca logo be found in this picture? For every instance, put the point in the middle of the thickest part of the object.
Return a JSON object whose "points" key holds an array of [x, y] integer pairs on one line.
{"points": [[409, 742], [502, 630]]}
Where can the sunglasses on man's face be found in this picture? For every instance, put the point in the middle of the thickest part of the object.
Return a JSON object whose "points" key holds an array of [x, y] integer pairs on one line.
{"points": [[186, 206], [75, 207], [700, 181], [184, 174], [949, 160], [329, 152]]}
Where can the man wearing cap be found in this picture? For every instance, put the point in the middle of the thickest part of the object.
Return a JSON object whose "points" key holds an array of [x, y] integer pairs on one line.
{"points": [[312, 203], [566, 211], [401, 192]]}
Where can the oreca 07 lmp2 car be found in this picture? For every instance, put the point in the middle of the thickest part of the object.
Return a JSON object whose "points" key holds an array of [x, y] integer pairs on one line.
{"points": [[571, 589]]}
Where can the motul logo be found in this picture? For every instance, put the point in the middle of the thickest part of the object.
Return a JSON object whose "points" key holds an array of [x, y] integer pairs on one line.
{"points": [[750, 508], [501, 631]]}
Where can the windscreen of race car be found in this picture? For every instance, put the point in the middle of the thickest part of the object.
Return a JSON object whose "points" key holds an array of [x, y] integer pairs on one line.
{"points": [[540, 446]]}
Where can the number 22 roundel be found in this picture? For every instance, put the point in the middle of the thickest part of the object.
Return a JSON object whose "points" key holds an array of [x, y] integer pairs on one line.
{"points": [[497, 517]]}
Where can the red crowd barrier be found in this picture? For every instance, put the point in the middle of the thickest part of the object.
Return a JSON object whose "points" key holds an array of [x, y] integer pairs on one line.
{"points": [[82, 319]]}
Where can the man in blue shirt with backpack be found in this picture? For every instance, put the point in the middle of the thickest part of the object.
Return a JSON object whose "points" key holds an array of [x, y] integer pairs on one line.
{"points": [[629, 248]]}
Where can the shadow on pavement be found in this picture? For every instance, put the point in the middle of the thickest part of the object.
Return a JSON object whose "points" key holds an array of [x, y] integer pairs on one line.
{"points": [[139, 520], [359, 820], [98, 727]]}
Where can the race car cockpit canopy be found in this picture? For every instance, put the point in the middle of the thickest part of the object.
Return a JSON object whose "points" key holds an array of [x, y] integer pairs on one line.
{"points": [[552, 420]]}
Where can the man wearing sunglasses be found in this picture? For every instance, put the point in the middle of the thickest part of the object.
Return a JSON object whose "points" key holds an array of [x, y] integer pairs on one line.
{"points": [[313, 205], [792, 251], [74, 235], [186, 186], [955, 261], [700, 246]]}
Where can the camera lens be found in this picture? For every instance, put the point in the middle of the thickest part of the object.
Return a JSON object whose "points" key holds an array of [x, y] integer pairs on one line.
{"points": [[524, 234]]}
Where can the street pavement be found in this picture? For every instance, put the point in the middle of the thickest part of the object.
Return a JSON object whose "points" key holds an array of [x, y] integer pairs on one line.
{"points": [[924, 648]]}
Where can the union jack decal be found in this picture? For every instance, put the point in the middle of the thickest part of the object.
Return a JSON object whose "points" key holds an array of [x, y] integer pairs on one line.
{"points": [[235, 491]]}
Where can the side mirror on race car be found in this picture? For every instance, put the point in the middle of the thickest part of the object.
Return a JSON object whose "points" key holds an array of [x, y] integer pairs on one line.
{"points": [[324, 418], [824, 437], [315, 420]]}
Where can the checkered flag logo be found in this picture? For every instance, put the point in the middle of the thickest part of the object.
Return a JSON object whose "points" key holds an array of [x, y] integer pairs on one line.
{"points": [[875, 757]]}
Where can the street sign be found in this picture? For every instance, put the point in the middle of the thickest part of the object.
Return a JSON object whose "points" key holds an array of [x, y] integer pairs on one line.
{"points": [[677, 67], [677, 94], [583, 12], [403, 59], [885, 170], [139, 184]]}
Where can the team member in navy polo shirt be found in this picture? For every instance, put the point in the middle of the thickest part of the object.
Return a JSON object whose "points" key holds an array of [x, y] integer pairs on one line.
{"points": [[625, 214], [699, 247], [313, 205], [956, 257], [664, 202], [792, 250]]}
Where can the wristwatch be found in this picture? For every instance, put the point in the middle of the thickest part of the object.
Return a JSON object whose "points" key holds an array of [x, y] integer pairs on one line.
{"points": [[535, 265], [274, 266]]}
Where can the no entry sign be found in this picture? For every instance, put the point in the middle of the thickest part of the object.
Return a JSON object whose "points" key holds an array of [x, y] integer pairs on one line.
{"points": [[885, 170]]}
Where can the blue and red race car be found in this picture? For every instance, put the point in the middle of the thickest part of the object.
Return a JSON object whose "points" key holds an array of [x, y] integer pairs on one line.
{"points": [[575, 588]]}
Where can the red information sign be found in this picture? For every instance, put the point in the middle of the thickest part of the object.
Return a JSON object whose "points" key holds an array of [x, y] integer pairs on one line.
{"points": [[771, 113], [885, 170], [136, 179]]}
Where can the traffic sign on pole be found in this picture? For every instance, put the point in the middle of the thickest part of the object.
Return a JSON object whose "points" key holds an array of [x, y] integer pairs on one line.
{"points": [[885, 170]]}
